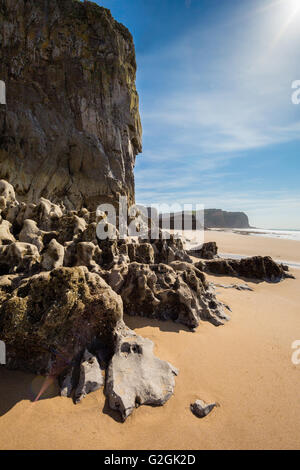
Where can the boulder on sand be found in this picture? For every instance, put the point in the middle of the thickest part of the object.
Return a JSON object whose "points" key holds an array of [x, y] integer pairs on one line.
{"points": [[48, 319], [202, 409], [262, 268], [90, 379], [136, 377]]}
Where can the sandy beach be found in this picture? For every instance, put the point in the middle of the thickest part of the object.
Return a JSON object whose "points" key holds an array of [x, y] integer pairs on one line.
{"points": [[245, 366], [249, 245]]}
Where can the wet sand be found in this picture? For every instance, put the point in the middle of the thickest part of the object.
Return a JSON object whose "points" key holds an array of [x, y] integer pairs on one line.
{"points": [[244, 365], [249, 245]]}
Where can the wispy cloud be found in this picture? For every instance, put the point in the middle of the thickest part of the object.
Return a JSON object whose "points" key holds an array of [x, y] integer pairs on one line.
{"points": [[218, 94]]}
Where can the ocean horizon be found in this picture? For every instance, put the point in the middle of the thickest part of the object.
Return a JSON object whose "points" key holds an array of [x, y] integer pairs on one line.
{"points": [[288, 234]]}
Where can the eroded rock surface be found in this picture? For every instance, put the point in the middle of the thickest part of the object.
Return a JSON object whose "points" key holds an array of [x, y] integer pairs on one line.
{"points": [[136, 377], [90, 378], [51, 317], [262, 268], [63, 292], [208, 250], [177, 292]]}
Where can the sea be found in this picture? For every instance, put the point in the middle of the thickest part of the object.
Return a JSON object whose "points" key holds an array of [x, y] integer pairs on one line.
{"points": [[271, 233], [194, 239]]}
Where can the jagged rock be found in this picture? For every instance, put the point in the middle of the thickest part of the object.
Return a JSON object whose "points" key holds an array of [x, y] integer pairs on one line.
{"points": [[285, 267], [110, 252], [7, 191], [46, 214], [90, 379], [79, 253], [9, 207], [169, 249], [136, 377], [10, 211], [178, 292], [116, 276], [89, 234], [140, 252], [30, 233], [7, 285], [88, 255], [56, 303], [53, 257], [79, 144], [207, 251], [67, 382], [233, 286], [51, 317], [18, 258], [6, 237], [202, 409], [69, 226], [256, 267]]}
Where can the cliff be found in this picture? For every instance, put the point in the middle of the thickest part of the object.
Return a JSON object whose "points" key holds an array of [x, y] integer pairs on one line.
{"points": [[214, 218], [71, 128]]}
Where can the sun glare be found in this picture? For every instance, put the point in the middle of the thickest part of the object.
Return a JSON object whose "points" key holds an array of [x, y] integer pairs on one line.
{"points": [[294, 7], [290, 10]]}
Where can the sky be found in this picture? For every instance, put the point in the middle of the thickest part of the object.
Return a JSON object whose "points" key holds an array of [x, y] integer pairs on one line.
{"points": [[215, 84]]}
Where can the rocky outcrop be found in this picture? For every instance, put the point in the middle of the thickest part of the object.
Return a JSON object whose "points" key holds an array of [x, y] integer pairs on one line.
{"points": [[242, 287], [262, 268], [208, 250], [71, 128], [217, 218], [177, 292], [49, 318], [168, 249], [63, 292]]}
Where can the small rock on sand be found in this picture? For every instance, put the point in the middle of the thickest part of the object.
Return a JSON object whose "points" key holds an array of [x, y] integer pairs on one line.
{"points": [[202, 409]]}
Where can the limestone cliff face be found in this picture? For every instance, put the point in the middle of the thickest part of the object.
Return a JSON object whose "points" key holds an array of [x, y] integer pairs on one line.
{"points": [[214, 218], [71, 128]]}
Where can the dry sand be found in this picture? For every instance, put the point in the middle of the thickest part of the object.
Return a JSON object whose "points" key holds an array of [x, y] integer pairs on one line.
{"points": [[245, 366]]}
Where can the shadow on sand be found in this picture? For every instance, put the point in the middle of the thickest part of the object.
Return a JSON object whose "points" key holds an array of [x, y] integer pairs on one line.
{"points": [[115, 415], [18, 386], [164, 325]]}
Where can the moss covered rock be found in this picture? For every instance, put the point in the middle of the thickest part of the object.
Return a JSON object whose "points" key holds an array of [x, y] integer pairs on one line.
{"points": [[52, 317]]}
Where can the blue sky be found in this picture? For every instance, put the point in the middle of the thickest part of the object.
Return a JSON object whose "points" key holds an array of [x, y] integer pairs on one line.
{"points": [[220, 129]]}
